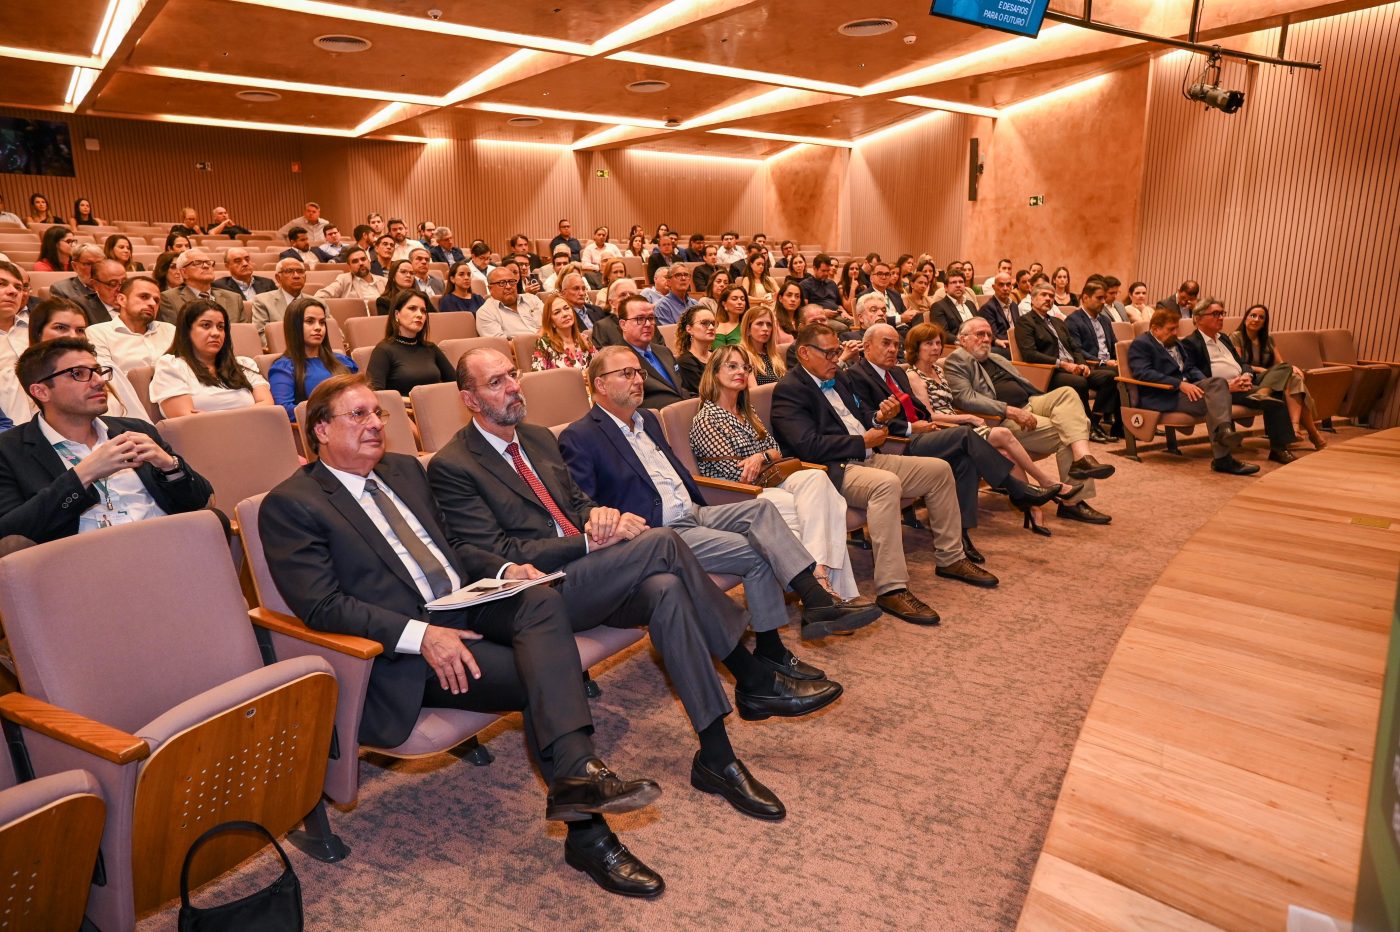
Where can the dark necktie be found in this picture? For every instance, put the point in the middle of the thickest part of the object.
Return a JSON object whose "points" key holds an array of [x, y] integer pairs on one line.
{"points": [[656, 364], [536, 486], [905, 401], [433, 570]]}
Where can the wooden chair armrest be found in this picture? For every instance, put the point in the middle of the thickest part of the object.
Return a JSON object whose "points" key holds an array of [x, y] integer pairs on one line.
{"points": [[1376, 362], [73, 729], [894, 439], [1035, 365], [808, 465], [1161, 385], [1349, 365], [347, 644], [706, 482]]}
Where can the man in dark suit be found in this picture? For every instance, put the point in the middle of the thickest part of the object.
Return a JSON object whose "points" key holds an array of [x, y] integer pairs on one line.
{"points": [[661, 383], [79, 289], [882, 283], [619, 457], [1045, 340], [355, 545], [502, 485], [706, 265], [240, 278], [971, 457], [1184, 301], [1157, 356], [71, 468], [955, 307], [445, 250], [1001, 312], [663, 254], [1091, 329], [1214, 354]]}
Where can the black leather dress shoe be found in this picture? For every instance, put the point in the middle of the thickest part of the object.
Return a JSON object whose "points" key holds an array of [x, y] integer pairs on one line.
{"points": [[970, 550], [792, 667], [1233, 467], [597, 791], [832, 619], [1282, 456], [786, 697], [614, 868], [737, 785], [1097, 435], [1082, 511]]}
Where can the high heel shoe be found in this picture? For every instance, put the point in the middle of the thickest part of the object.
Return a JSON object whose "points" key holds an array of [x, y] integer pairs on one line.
{"points": [[1030, 525], [1074, 489]]}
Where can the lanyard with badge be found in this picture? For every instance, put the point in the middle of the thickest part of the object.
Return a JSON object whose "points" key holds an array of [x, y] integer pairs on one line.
{"points": [[109, 516]]}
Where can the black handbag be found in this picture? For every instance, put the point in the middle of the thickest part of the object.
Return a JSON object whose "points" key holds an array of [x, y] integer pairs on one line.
{"points": [[277, 908]]}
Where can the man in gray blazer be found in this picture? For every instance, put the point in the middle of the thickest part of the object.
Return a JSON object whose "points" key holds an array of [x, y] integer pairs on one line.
{"points": [[79, 289], [272, 306], [1046, 423], [198, 268]]}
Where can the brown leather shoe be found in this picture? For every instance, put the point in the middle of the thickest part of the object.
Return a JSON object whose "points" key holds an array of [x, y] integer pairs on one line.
{"points": [[906, 605], [1086, 467], [970, 573]]}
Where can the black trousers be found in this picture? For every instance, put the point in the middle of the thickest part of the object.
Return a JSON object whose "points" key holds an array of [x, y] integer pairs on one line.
{"points": [[970, 457], [1102, 380], [1278, 426]]}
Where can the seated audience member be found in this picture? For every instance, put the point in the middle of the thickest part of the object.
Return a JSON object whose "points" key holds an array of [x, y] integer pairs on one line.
{"points": [[332, 249], [562, 343], [695, 337], [399, 279], [851, 282], [134, 338], [738, 269], [591, 257], [309, 358], [757, 283], [1045, 423], [1022, 291], [269, 307], [807, 315], [529, 279], [427, 234], [1273, 373], [81, 288], [612, 270], [1024, 305], [788, 301], [618, 572], [201, 373], [673, 305], [57, 317], [619, 458], [1001, 312], [1042, 338], [240, 278], [1212, 352], [507, 312], [1138, 310], [14, 339], [403, 244], [574, 289], [558, 263], [924, 350], [660, 284], [661, 376], [705, 267], [1064, 295], [189, 224], [358, 282], [1157, 356], [1184, 301], [956, 307], [565, 237], [819, 288], [460, 296], [664, 255], [883, 382], [177, 243], [223, 225], [39, 211], [797, 268], [311, 221], [444, 249], [818, 418], [73, 468], [7, 217], [882, 284], [733, 306], [870, 310], [731, 443], [1091, 329], [405, 357], [694, 250], [903, 268], [917, 299], [431, 285], [719, 281], [515, 653], [729, 251], [1003, 266], [197, 271], [606, 331], [520, 246], [637, 245], [1112, 306], [118, 248], [760, 344], [383, 256], [56, 250]]}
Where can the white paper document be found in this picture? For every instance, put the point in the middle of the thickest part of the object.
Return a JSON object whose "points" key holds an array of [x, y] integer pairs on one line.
{"points": [[488, 590]]}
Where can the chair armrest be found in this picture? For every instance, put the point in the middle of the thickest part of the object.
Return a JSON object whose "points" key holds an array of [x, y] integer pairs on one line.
{"points": [[71, 728], [897, 440], [1162, 385], [807, 465], [348, 644], [1378, 362], [1035, 365], [725, 485]]}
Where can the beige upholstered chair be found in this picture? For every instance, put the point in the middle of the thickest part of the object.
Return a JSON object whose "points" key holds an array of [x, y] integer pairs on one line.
{"points": [[439, 412], [554, 396], [50, 828], [241, 452]]}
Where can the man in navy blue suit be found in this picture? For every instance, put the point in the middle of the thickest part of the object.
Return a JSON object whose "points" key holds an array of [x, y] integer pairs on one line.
{"points": [[1090, 328]]}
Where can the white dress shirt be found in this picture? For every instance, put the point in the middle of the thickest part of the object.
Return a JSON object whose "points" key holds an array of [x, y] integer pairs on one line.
{"points": [[346, 285], [402, 250], [123, 497], [676, 504], [122, 348], [18, 334], [729, 255], [494, 319], [592, 255], [1222, 361], [411, 639], [833, 398]]}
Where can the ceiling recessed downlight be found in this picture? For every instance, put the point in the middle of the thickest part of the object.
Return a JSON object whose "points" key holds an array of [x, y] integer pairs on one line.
{"points": [[337, 43], [258, 97], [648, 86], [867, 27], [524, 121]]}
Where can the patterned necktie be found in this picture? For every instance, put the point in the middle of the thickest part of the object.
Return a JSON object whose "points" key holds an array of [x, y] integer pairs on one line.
{"points": [[905, 402], [433, 570], [536, 486]]}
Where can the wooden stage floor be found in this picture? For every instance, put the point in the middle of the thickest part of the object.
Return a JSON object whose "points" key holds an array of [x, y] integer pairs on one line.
{"points": [[1222, 770]]}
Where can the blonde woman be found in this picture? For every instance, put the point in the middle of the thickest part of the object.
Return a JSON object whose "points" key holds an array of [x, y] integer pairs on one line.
{"points": [[562, 343], [730, 442], [759, 340]]}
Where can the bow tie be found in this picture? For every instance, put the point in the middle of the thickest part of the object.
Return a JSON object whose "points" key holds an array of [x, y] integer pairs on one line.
{"points": [[827, 385]]}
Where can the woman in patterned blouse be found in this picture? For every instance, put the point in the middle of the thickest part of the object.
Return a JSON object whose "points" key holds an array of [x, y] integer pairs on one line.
{"points": [[730, 442], [760, 341], [562, 344]]}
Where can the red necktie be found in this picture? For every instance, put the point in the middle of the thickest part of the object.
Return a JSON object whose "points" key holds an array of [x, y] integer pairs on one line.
{"points": [[904, 400], [536, 486]]}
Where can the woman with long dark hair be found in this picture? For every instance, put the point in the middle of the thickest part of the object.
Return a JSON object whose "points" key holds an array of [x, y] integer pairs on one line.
{"points": [[757, 282], [695, 339], [200, 373], [733, 305], [82, 214], [788, 302], [176, 242], [1272, 372], [167, 276], [56, 250], [459, 295], [406, 357], [308, 360], [118, 249]]}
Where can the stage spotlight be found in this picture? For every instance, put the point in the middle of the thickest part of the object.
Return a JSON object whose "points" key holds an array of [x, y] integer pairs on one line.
{"points": [[1206, 88]]}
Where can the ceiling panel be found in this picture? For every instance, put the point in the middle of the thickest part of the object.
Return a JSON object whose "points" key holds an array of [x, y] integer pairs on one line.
{"points": [[33, 84], [258, 41], [842, 119], [139, 93], [53, 27], [461, 123], [574, 22], [699, 142]]}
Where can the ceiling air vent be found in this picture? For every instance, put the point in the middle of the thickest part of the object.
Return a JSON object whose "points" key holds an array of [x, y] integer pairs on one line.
{"points": [[867, 27], [524, 121], [342, 43], [648, 86], [258, 97]]}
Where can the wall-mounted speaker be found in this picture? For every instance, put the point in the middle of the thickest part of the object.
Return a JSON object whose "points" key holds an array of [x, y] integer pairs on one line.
{"points": [[974, 168]]}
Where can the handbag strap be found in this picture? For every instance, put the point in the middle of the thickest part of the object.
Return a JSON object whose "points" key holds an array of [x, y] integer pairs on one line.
{"points": [[236, 826]]}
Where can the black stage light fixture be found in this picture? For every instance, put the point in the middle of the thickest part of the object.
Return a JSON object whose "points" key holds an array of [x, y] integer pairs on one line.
{"points": [[1206, 89]]}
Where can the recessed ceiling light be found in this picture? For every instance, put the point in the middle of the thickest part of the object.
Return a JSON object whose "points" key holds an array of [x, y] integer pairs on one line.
{"points": [[342, 43], [648, 86], [867, 27], [524, 121], [258, 97]]}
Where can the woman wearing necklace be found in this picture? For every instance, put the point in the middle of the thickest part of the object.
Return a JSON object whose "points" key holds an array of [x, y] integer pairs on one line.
{"points": [[405, 357], [695, 337], [760, 344], [562, 343]]}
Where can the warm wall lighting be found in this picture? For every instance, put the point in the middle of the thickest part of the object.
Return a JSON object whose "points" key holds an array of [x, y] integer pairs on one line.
{"points": [[781, 137], [379, 118], [743, 74], [80, 84], [603, 137], [568, 115], [557, 147], [481, 82], [1061, 93], [899, 128], [952, 106], [780, 98], [799, 147], [238, 124], [115, 23], [693, 156]]}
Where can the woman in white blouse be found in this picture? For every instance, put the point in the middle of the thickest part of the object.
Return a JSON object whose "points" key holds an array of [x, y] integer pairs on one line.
{"points": [[201, 373]]}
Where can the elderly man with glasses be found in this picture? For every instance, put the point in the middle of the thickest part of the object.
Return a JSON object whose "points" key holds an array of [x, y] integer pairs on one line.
{"points": [[240, 278], [79, 289], [507, 312], [198, 268]]}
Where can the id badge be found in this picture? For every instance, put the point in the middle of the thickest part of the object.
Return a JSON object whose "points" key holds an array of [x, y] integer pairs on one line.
{"points": [[113, 518]]}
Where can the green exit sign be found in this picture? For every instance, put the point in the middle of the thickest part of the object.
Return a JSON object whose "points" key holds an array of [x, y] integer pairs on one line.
{"points": [[1036, 200], [602, 173]]}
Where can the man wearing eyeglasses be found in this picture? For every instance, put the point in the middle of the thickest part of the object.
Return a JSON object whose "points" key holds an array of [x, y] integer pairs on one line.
{"points": [[198, 268], [72, 468], [507, 312], [79, 289], [661, 376]]}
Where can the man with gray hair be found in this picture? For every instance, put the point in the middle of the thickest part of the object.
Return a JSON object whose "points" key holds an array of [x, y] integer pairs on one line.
{"points": [[222, 225], [445, 250], [606, 330], [660, 285], [79, 289], [240, 278], [272, 306], [198, 268]]}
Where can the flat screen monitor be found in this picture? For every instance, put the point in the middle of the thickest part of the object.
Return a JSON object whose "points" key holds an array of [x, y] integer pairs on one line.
{"points": [[35, 147], [1022, 17]]}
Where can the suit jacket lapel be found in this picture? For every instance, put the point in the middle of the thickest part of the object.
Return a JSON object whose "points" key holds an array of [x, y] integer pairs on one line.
{"points": [[40, 449], [544, 460], [620, 444], [487, 456], [351, 511]]}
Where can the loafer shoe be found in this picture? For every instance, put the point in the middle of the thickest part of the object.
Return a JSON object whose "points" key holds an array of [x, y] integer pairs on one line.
{"points": [[1086, 467], [968, 572], [906, 606], [1233, 467], [612, 867], [597, 791], [1082, 511], [792, 667], [1282, 456], [737, 785], [843, 616], [786, 697]]}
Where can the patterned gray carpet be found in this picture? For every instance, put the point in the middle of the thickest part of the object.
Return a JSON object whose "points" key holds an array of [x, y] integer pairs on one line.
{"points": [[919, 800]]}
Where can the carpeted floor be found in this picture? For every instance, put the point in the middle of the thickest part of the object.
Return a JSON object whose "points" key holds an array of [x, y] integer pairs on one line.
{"points": [[919, 800]]}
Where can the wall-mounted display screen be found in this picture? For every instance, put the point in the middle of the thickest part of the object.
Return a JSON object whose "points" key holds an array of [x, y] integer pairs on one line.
{"points": [[1023, 17], [35, 147]]}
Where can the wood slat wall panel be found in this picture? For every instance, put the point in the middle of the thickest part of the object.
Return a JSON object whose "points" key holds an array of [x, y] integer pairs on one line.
{"points": [[1291, 202]]}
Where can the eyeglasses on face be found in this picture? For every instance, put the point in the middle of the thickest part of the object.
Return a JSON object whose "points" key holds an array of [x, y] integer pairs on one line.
{"points": [[628, 372], [732, 366], [505, 283], [80, 373], [361, 416], [200, 264], [641, 319], [831, 355]]}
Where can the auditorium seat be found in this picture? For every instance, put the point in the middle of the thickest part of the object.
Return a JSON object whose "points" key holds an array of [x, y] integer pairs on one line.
{"points": [[1329, 386], [365, 331], [221, 735], [439, 413], [246, 339], [554, 396], [1124, 330], [265, 361], [241, 452], [1371, 378], [523, 349], [342, 309], [452, 325], [668, 336], [1037, 373], [454, 349], [360, 356], [50, 829], [1140, 424], [140, 379]]}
